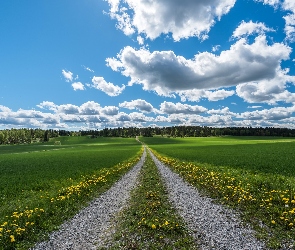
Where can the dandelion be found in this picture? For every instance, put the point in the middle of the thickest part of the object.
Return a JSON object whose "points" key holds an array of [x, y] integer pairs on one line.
{"points": [[12, 239], [154, 226]]}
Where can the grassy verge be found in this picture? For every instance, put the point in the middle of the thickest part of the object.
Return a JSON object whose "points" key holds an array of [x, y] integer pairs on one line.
{"points": [[150, 222], [267, 201], [23, 227]]}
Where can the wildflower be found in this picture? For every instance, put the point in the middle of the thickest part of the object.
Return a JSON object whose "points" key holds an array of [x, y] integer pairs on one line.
{"points": [[12, 239], [166, 223], [273, 222], [154, 226]]}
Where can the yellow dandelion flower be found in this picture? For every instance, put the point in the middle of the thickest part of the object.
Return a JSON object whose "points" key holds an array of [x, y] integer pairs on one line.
{"points": [[154, 226], [12, 239]]}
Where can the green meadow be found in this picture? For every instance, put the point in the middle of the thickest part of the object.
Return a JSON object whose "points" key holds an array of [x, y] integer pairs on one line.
{"points": [[255, 175], [36, 176], [43, 184], [258, 154]]}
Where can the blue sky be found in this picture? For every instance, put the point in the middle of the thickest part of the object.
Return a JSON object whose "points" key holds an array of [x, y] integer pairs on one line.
{"points": [[93, 64]]}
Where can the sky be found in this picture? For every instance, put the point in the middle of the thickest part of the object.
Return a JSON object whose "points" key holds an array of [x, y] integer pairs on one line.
{"points": [[92, 64]]}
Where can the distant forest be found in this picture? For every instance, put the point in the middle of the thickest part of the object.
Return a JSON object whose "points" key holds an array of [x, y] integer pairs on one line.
{"points": [[27, 136]]}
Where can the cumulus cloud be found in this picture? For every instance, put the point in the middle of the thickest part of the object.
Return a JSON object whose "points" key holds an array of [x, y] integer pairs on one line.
{"points": [[274, 3], [268, 91], [215, 48], [90, 108], [179, 108], [138, 104], [107, 87], [249, 28], [110, 110], [68, 75], [166, 73], [153, 18], [78, 86], [254, 107], [4, 109], [140, 40], [225, 111], [47, 105], [287, 5], [196, 95], [67, 109], [277, 113]]}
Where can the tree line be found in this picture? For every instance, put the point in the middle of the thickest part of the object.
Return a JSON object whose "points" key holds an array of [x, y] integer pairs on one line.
{"points": [[190, 131], [27, 136]]}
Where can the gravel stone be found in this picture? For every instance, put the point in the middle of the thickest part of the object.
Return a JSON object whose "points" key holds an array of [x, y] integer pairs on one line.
{"points": [[89, 228], [215, 226]]}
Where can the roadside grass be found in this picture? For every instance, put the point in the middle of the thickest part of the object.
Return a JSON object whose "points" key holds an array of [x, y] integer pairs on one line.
{"points": [[149, 222], [273, 155], [40, 190], [267, 201]]}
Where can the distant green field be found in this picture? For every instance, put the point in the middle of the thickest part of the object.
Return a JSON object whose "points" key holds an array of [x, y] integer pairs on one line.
{"points": [[30, 170], [257, 154]]}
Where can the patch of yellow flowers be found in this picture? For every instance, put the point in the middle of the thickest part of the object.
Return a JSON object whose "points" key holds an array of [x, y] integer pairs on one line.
{"points": [[20, 224], [277, 205]]}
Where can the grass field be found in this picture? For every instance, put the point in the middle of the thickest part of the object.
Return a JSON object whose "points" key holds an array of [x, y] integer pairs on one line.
{"points": [[257, 154], [255, 175], [38, 175], [43, 184]]}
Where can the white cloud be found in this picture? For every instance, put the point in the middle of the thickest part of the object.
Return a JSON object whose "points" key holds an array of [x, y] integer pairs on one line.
{"points": [[90, 108], [47, 105], [196, 95], [110, 110], [254, 107], [153, 18], [290, 27], [88, 69], [139, 117], [268, 91], [140, 40], [274, 3], [107, 87], [277, 113], [138, 104], [215, 48], [68, 75], [179, 108], [4, 109], [287, 5], [67, 109], [78, 86], [166, 73], [224, 111], [249, 28]]}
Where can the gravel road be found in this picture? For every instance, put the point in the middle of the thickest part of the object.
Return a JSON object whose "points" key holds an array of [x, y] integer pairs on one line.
{"points": [[213, 225], [87, 229]]}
